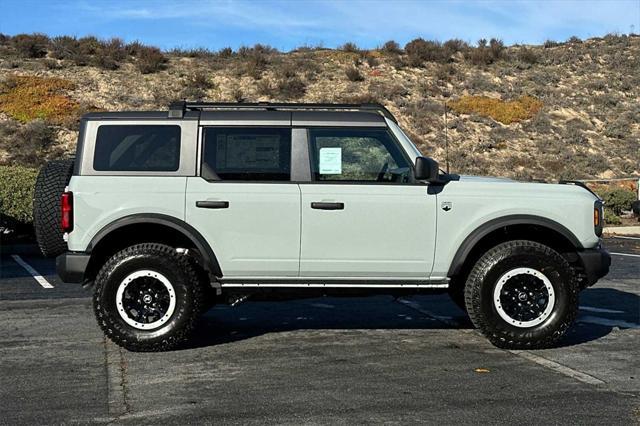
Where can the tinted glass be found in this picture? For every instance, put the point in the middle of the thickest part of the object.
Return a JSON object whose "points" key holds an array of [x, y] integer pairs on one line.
{"points": [[357, 155], [137, 148], [248, 154]]}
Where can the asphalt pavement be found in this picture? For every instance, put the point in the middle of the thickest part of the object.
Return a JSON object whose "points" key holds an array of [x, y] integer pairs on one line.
{"points": [[325, 360]]}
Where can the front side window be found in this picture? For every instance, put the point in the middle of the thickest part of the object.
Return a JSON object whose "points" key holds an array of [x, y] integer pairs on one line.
{"points": [[357, 155], [247, 154], [137, 148]]}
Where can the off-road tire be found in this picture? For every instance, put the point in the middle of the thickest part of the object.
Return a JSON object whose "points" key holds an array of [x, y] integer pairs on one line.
{"points": [[50, 184], [189, 292], [484, 277]]}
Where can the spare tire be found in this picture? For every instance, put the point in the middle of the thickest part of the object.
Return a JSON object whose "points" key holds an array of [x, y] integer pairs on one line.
{"points": [[50, 184]]}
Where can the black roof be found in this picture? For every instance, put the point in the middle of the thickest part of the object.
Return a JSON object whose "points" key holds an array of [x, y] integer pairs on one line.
{"points": [[192, 110]]}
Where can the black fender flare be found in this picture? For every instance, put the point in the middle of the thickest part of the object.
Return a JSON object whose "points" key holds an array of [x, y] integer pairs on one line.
{"points": [[486, 228], [201, 244]]}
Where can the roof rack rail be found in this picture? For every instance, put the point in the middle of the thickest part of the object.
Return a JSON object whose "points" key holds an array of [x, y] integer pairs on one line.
{"points": [[178, 109]]}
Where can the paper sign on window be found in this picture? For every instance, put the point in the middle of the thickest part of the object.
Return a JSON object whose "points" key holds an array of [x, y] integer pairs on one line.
{"points": [[330, 161]]}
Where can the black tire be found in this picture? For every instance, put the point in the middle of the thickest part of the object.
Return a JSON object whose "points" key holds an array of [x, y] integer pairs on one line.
{"points": [[52, 179], [487, 272], [189, 289]]}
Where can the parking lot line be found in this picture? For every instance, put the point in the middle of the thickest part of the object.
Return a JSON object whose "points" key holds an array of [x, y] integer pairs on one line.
{"points": [[563, 369], [600, 310], [627, 238], [35, 274], [626, 254]]}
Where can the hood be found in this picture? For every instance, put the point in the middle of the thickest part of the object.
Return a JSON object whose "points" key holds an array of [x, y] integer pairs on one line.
{"points": [[487, 179]]}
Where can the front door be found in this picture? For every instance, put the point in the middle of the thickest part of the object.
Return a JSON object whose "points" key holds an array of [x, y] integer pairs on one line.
{"points": [[362, 214], [244, 202]]}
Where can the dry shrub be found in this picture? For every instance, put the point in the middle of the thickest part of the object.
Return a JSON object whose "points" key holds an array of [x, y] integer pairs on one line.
{"points": [[528, 56], [353, 74], [505, 112], [486, 53], [420, 51], [265, 87], [391, 48], [31, 45], [27, 98], [26, 144], [196, 86], [291, 88], [150, 60], [349, 47]]}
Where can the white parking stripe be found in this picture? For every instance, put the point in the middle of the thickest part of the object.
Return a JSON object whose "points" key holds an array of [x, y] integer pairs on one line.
{"points": [[562, 369], [600, 310], [626, 254], [39, 278], [627, 238]]}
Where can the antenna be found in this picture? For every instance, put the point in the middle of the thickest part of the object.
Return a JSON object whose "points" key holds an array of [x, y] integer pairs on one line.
{"points": [[446, 140]]}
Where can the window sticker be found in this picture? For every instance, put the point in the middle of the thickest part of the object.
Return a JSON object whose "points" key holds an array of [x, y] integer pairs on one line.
{"points": [[330, 161]]}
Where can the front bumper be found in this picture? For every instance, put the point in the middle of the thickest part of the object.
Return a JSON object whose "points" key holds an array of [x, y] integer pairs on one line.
{"points": [[596, 263], [71, 266]]}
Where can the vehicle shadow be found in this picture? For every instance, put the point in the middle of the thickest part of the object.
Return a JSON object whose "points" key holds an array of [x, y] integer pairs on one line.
{"points": [[224, 324], [602, 310]]}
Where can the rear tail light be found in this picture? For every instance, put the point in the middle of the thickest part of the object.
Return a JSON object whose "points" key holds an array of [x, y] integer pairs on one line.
{"points": [[66, 204]]}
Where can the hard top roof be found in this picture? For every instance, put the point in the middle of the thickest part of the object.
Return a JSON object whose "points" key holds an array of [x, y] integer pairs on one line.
{"points": [[296, 112]]}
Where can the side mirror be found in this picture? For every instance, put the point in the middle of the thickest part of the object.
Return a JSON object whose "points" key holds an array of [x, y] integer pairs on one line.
{"points": [[427, 169]]}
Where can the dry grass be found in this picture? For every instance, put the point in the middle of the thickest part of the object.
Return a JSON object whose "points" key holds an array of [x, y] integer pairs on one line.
{"points": [[27, 98], [506, 112]]}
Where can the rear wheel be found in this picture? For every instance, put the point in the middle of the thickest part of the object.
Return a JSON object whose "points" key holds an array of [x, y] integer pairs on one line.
{"points": [[522, 294], [148, 297], [50, 184]]}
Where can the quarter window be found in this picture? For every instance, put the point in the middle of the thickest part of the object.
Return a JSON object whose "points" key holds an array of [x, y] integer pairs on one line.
{"points": [[357, 155], [137, 148], [247, 154]]}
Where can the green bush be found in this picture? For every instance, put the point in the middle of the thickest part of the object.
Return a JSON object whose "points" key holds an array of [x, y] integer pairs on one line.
{"points": [[610, 218], [16, 195], [618, 199]]}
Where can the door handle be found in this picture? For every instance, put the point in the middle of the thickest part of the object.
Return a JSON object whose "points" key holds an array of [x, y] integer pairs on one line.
{"points": [[327, 206], [212, 204]]}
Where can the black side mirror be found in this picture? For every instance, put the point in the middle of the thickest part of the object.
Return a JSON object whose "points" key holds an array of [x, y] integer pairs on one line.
{"points": [[427, 169]]}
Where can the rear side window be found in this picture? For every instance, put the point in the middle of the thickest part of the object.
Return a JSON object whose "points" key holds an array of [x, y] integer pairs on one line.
{"points": [[247, 154], [137, 148]]}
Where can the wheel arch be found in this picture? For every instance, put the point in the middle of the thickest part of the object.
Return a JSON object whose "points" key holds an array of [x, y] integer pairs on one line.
{"points": [[150, 227], [504, 228]]}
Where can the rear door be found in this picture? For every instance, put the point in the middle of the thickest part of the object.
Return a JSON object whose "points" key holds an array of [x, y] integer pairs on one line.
{"points": [[243, 201], [363, 215]]}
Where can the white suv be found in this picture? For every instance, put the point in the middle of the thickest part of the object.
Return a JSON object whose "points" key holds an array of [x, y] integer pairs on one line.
{"points": [[167, 213]]}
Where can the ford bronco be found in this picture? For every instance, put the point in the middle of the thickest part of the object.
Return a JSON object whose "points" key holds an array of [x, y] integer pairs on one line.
{"points": [[167, 213]]}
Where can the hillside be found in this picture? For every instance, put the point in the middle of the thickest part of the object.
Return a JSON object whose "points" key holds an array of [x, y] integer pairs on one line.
{"points": [[559, 110]]}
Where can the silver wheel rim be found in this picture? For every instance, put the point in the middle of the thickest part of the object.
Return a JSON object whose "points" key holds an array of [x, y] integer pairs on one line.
{"points": [[505, 290], [123, 296]]}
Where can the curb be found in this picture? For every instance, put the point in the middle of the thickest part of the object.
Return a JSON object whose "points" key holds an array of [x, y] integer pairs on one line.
{"points": [[623, 230]]}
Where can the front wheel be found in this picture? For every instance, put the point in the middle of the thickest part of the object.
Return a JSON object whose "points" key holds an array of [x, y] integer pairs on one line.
{"points": [[148, 297], [522, 295]]}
